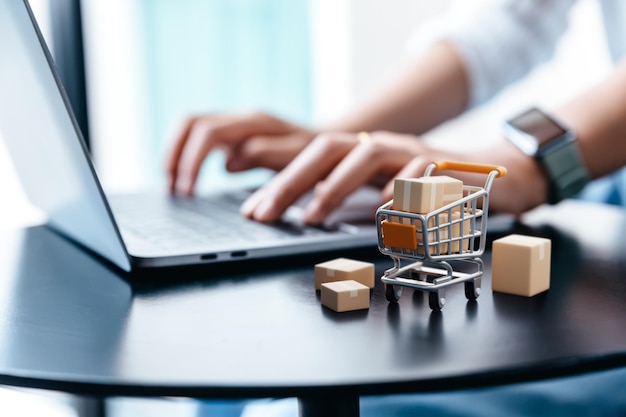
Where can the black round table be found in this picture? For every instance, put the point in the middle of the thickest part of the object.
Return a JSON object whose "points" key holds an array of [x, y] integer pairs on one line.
{"points": [[70, 323]]}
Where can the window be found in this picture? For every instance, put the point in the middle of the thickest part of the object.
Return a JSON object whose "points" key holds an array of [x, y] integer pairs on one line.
{"points": [[151, 63]]}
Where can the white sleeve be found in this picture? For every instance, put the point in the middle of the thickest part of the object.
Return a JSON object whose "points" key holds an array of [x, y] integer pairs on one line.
{"points": [[499, 41]]}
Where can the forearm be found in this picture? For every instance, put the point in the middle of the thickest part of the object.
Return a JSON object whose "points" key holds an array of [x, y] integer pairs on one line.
{"points": [[432, 90], [599, 119]]}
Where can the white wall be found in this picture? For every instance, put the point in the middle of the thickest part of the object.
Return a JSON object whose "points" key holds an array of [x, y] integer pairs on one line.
{"points": [[358, 45], [117, 89]]}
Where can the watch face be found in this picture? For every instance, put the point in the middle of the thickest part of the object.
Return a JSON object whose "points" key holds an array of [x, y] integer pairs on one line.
{"points": [[537, 125]]}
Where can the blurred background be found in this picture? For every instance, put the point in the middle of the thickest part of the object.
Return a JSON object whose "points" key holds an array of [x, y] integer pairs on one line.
{"points": [[148, 64]]}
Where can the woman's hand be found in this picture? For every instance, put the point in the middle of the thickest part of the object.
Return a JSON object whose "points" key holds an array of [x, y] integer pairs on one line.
{"points": [[248, 141], [336, 164], [524, 187]]}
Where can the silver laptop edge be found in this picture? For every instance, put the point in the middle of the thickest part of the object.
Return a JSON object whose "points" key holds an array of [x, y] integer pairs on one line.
{"points": [[34, 106], [57, 174]]}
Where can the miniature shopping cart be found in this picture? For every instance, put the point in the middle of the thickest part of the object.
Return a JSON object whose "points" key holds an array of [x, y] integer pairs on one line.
{"points": [[443, 246]]}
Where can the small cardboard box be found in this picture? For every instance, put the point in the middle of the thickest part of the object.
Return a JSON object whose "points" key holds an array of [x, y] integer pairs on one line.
{"points": [[457, 231], [343, 269], [434, 239], [425, 194], [521, 265], [345, 295]]}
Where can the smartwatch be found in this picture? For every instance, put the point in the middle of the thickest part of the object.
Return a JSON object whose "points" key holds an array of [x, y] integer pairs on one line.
{"points": [[554, 147]]}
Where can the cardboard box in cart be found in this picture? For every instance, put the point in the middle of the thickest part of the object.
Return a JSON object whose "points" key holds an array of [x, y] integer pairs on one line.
{"points": [[425, 194]]}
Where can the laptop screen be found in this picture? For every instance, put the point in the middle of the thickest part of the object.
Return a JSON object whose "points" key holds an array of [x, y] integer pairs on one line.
{"points": [[44, 142]]}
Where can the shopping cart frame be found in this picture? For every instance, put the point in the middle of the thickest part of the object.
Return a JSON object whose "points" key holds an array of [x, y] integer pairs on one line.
{"points": [[435, 263]]}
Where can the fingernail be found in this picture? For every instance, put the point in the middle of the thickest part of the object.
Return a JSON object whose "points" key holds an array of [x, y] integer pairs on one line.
{"points": [[247, 207], [313, 213], [182, 185], [265, 212]]}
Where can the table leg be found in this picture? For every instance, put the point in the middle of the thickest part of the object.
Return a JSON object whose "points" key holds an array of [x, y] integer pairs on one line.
{"points": [[90, 406], [347, 406]]}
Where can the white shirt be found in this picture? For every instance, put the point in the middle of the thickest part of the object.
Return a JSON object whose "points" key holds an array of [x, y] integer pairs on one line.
{"points": [[502, 40]]}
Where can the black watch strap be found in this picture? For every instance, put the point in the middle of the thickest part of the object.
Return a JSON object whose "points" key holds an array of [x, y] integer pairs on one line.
{"points": [[565, 170]]}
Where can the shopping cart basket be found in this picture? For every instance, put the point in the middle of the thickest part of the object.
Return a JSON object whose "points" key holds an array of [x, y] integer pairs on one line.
{"points": [[443, 246]]}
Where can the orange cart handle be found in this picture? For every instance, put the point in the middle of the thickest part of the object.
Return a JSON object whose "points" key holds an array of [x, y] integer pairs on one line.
{"points": [[471, 167]]}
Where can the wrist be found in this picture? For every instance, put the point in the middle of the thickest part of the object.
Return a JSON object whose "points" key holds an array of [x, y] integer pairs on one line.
{"points": [[524, 187], [555, 149]]}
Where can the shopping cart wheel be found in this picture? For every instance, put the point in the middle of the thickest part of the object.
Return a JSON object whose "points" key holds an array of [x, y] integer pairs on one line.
{"points": [[393, 292], [471, 290], [436, 301]]}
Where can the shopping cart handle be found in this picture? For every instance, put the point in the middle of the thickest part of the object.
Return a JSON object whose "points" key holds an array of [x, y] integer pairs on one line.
{"points": [[470, 167]]}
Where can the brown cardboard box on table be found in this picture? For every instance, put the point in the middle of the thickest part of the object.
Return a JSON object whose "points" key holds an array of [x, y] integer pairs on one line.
{"points": [[343, 269], [521, 265], [345, 295], [425, 194]]}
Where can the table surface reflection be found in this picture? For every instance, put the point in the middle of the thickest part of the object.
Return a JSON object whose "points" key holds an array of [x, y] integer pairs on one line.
{"points": [[69, 322]]}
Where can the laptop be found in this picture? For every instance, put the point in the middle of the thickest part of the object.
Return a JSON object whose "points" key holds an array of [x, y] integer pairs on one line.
{"points": [[138, 231]]}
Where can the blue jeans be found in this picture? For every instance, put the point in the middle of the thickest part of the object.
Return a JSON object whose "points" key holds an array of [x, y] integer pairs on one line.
{"points": [[610, 189], [600, 393]]}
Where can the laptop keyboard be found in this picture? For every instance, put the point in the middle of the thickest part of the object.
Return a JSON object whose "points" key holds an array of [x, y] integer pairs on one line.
{"points": [[179, 223]]}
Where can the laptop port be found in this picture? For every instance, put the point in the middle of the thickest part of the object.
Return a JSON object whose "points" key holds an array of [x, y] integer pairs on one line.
{"points": [[239, 254], [208, 257]]}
